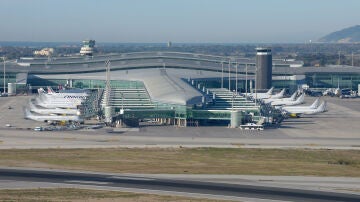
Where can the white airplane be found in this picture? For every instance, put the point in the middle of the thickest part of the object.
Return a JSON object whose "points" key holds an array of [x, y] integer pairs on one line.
{"points": [[267, 95], [261, 95], [296, 112], [64, 99], [298, 101], [66, 111], [314, 105], [41, 90], [46, 118], [50, 90], [46, 102], [269, 100], [278, 95], [67, 92]]}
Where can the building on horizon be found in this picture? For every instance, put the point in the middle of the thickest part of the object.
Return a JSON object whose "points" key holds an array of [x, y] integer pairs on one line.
{"points": [[87, 48]]}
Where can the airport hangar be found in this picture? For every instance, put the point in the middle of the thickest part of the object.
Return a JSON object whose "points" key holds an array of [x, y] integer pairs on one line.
{"points": [[173, 87]]}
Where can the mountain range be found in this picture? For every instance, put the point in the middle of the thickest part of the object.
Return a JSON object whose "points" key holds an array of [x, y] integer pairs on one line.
{"points": [[347, 35]]}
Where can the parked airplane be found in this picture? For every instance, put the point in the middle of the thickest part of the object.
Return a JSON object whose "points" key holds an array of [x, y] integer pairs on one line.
{"points": [[79, 92], [52, 103], [267, 94], [314, 105], [298, 101], [63, 99], [278, 95], [47, 118], [296, 112], [50, 90], [292, 98], [66, 111]]}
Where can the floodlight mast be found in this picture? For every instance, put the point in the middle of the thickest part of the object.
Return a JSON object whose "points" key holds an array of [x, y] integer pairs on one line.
{"points": [[236, 77], [108, 63], [4, 74], [246, 80], [107, 87], [232, 100], [256, 69], [222, 74], [229, 75]]}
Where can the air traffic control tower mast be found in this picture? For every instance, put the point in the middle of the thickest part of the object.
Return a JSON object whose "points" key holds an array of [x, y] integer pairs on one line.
{"points": [[263, 68], [87, 48]]}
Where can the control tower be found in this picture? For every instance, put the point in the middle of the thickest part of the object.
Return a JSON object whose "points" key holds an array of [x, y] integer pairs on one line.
{"points": [[264, 68], [87, 48]]}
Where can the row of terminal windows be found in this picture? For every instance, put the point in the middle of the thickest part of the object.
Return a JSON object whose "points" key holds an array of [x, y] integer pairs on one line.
{"points": [[333, 81], [314, 80]]}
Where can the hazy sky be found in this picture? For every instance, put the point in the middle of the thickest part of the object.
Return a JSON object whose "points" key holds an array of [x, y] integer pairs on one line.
{"points": [[219, 21]]}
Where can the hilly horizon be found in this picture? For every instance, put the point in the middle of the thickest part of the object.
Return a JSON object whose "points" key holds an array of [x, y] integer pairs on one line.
{"points": [[347, 35]]}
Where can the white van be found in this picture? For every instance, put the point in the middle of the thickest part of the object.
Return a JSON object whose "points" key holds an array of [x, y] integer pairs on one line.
{"points": [[38, 128]]}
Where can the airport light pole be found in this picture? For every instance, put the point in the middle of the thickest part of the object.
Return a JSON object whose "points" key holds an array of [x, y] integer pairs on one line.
{"points": [[255, 85], [232, 101], [222, 74], [246, 80], [122, 103], [107, 87], [229, 75], [236, 76], [4, 74]]}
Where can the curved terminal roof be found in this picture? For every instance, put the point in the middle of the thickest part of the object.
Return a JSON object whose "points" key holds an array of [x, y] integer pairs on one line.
{"points": [[163, 73], [163, 85], [143, 60]]}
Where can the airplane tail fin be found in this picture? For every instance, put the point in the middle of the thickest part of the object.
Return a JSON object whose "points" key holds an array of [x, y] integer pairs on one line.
{"points": [[50, 90], [281, 94], [300, 99], [270, 91], [315, 104], [41, 91], [293, 96], [322, 107]]}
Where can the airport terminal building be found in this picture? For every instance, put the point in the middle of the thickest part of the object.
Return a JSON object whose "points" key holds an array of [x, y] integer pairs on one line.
{"points": [[174, 87]]}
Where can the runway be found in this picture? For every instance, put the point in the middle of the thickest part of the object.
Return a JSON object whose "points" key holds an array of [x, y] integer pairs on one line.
{"points": [[111, 182]]}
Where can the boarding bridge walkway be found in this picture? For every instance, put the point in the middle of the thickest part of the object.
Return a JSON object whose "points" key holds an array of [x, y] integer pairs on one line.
{"points": [[227, 100], [128, 98]]}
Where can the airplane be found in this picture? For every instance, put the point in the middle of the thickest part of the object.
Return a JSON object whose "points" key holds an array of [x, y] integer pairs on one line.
{"points": [[298, 101], [47, 118], [67, 92], [41, 90], [278, 95], [296, 112], [314, 105], [50, 90], [261, 95], [292, 98], [63, 99], [268, 94], [57, 103], [67, 111]]}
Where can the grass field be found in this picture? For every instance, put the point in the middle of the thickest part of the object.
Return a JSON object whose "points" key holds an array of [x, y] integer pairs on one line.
{"points": [[192, 161], [70, 194]]}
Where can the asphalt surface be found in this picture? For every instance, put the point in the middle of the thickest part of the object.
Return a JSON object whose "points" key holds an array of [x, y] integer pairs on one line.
{"points": [[336, 129], [221, 189]]}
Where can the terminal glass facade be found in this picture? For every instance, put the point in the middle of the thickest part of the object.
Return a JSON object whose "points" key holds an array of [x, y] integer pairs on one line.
{"points": [[333, 80]]}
